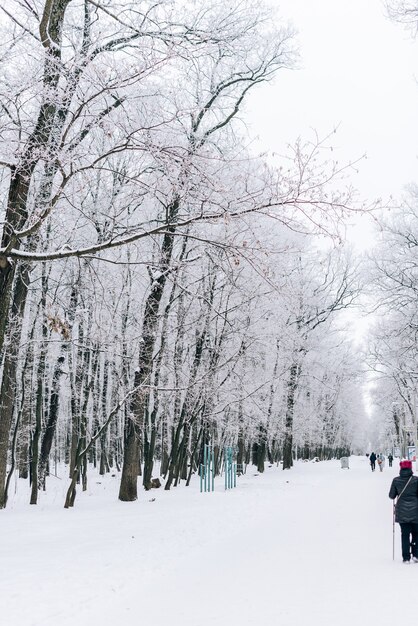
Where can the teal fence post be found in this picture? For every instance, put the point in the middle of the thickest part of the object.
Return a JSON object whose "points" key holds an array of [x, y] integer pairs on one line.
{"points": [[213, 469], [208, 457], [226, 468], [230, 468], [207, 469], [205, 465]]}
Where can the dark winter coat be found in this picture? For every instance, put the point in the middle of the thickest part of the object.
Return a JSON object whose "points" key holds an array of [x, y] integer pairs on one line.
{"points": [[372, 458], [407, 506]]}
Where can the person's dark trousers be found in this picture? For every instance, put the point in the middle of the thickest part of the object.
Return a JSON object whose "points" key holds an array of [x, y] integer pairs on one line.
{"points": [[373, 464], [409, 538], [390, 463]]}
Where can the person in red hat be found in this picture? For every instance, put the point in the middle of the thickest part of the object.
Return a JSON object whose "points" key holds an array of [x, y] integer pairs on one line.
{"points": [[405, 488]]}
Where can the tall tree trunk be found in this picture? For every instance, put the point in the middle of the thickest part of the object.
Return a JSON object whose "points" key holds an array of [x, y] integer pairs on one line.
{"points": [[40, 400], [8, 382], [26, 403], [51, 424], [133, 427], [290, 405], [151, 427], [261, 448], [104, 465]]}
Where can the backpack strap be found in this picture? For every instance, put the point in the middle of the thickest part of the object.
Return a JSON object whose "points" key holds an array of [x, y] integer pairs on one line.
{"points": [[410, 478]]}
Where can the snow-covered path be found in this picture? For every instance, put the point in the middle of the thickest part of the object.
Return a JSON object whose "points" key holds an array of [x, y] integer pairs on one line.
{"points": [[310, 546]]}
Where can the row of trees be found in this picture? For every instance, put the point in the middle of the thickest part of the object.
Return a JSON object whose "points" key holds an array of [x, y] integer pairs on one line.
{"points": [[159, 286], [393, 345], [392, 352]]}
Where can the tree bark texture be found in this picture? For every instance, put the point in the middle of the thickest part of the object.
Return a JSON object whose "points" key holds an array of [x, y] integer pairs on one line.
{"points": [[290, 405], [133, 428]]}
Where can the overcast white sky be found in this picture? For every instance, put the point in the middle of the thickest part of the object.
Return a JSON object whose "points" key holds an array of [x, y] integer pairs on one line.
{"points": [[358, 70]]}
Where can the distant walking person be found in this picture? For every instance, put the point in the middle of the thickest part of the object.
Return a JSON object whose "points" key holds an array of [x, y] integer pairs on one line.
{"points": [[405, 488], [372, 459], [381, 461], [390, 459]]}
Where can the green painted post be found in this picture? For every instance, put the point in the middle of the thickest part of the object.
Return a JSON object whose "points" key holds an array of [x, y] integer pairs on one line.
{"points": [[225, 467], [208, 461], [230, 468], [205, 465], [207, 469], [213, 469]]}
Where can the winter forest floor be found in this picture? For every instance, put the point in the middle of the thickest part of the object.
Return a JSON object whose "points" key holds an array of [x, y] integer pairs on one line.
{"points": [[308, 546]]}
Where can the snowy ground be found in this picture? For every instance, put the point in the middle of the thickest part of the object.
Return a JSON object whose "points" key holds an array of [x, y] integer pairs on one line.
{"points": [[303, 547]]}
